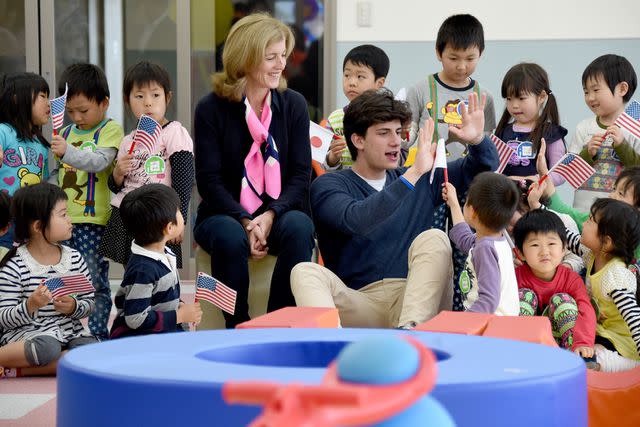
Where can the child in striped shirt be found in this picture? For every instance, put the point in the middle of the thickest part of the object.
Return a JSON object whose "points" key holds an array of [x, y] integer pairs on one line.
{"points": [[35, 327], [148, 300]]}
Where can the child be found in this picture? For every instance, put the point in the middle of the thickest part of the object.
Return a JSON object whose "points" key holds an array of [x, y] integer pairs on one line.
{"points": [[608, 83], [148, 298], [147, 90], [85, 151], [459, 45], [608, 240], [364, 67], [571, 260], [24, 153], [5, 219], [488, 283], [531, 114], [34, 329], [625, 189], [548, 287]]}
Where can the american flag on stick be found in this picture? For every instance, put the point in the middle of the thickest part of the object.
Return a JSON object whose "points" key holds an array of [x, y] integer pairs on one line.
{"points": [[67, 285], [218, 294], [147, 134], [504, 152], [630, 118], [57, 108], [574, 169]]}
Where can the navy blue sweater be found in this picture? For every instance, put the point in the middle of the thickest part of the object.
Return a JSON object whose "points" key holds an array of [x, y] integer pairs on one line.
{"points": [[222, 141], [364, 235]]}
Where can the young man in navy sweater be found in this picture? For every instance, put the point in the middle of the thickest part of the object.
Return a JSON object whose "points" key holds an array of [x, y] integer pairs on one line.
{"points": [[385, 265]]}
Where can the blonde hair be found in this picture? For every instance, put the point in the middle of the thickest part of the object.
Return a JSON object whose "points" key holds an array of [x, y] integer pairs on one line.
{"points": [[244, 51]]}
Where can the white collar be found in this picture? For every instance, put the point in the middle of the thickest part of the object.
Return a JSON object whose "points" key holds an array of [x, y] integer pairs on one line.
{"points": [[37, 269], [168, 259]]}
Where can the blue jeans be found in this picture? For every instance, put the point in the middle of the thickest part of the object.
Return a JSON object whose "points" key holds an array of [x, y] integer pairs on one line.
{"points": [[224, 238], [86, 240]]}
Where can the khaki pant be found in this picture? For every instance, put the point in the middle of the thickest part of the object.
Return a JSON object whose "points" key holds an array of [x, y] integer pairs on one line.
{"points": [[427, 290]]}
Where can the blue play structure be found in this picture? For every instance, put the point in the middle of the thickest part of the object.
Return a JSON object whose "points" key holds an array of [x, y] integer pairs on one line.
{"points": [[176, 379]]}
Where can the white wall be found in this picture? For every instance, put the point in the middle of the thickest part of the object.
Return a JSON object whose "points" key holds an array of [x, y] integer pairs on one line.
{"points": [[419, 20]]}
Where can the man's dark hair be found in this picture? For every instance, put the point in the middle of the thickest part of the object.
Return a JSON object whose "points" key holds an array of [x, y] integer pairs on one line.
{"points": [[614, 69], [84, 79], [147, 210], [460, 32], [494, 198], [368, 55], [538, 221], [371, 108]]}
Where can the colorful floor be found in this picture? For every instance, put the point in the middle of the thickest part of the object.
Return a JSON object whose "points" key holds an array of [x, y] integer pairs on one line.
{"points": [[31, 402]]}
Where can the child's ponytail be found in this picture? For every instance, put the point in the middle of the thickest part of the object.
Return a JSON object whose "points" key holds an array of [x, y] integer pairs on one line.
{"points": [[549, 117], [30, 204]]}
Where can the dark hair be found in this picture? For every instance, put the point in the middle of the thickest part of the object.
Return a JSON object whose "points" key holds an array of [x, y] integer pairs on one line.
{"points": [[142, 74], [84, 79], [614, 69], [460, 32], [621, 222], [147, 210], [529, 78], [370, 108], [29, 204], [538, 221], [370, 56], [523, 201], [18, 92], [5, 205], [630, 178], [494, 197]]}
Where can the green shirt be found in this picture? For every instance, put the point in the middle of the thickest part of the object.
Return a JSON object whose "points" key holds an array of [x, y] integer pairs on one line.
{"points": [[85, 169]]}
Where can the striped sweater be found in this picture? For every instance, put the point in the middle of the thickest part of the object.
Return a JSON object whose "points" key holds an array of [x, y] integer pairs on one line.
{"points": [[149, 294], [19, 278], [615, 288]]}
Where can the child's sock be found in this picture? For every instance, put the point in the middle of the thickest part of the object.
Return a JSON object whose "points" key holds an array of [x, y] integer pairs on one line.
{"points": [[9, 372]]}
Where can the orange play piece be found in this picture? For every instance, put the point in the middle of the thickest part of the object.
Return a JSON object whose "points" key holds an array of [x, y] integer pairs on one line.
{"points": [[534, 329], [456, 322], [614, 398], [295, 317]]}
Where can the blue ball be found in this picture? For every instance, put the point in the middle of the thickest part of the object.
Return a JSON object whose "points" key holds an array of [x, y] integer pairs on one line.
{"points": [[380, 360]]}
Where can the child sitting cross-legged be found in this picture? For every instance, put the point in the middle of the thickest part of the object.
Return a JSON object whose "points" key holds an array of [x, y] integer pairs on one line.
{"points": [[488, 282], [148, 300], [549, 288]]}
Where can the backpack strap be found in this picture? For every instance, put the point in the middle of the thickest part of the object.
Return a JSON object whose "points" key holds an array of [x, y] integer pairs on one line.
{"points": [[96, 134], [66, 131], [433, 111]]}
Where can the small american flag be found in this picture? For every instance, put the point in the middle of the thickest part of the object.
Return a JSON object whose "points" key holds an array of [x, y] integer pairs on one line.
{"points": [[57, 108], [66, 285], [147, 134], [574, 169], [218, 294], [630, 118], [504, 152]]}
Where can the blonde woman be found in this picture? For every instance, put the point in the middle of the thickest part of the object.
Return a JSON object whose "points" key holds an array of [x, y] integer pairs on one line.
{"points": [[253, 163]]}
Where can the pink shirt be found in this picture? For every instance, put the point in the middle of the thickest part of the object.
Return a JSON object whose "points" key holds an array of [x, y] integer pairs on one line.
{"points": [[153, 168]]}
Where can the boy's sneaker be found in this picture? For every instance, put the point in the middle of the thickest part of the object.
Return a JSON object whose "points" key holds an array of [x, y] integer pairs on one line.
{"points": [[594, 366], [408, 326]]}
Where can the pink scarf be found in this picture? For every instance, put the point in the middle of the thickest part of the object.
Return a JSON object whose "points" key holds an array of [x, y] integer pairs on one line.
{"points": [[261, 170]]}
